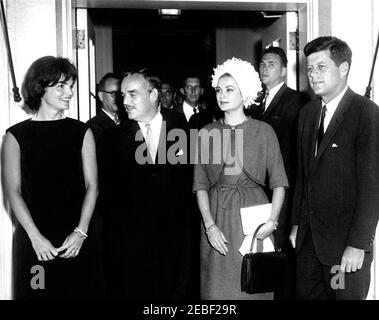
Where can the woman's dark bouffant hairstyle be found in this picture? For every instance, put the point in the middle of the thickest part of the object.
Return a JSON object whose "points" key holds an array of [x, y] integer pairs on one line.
{"points": [[45, 72]]}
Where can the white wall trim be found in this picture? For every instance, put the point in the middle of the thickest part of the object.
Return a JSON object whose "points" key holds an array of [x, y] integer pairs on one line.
{"points": [[6, 226]]}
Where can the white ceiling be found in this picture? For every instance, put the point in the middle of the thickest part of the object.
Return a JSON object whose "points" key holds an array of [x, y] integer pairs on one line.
{"points": [[279, 5]]}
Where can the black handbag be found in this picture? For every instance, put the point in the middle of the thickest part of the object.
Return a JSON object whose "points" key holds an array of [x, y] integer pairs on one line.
{"points": [[263, 271]]}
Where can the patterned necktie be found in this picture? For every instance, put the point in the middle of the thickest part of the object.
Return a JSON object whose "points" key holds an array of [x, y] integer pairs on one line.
{"points": [[320, 132], [261, 108], [116, 119], [265, 101], [150, 141]]}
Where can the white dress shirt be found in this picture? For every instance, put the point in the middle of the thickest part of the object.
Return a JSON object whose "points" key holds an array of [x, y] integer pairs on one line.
{"points": [[188, 110], [271, 94], [114, 118], [331, 108]]}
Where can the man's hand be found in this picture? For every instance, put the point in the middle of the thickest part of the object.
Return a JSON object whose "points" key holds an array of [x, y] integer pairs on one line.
{"points": [[293, 235], [352, 259]]}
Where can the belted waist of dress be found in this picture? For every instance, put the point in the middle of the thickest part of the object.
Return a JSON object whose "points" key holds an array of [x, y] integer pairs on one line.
{"points": [[233, 188]]}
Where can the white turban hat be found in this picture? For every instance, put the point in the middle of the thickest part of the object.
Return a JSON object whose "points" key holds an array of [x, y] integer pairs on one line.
{"points": [[244, 75]]}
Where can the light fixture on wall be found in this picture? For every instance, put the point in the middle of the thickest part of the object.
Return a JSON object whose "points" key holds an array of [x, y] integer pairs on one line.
{"points": [[267, 15], [169, 13]]}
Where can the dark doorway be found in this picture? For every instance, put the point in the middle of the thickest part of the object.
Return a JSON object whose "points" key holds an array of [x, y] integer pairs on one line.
{"points": [[176, 46]]}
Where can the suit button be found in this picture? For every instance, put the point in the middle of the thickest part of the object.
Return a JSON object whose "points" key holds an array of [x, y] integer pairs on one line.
{"points": [[311, 212]]}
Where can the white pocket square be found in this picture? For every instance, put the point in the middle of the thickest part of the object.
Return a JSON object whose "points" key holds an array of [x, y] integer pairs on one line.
{"points": [[334, 145], [179, 153]]}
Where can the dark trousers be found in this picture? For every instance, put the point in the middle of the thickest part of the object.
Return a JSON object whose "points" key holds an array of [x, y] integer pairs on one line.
{"points": [[288, 291], [316, 281]]}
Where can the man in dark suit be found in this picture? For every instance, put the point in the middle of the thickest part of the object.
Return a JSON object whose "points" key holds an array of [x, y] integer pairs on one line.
{"points": [[336, 200], [108, 94], [148, 238], [196, 113], [280, 107]]}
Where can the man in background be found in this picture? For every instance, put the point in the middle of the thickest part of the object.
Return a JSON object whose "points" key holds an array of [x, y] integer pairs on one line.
{"points": [[197, 115], [167, 95], [109, 96], [280, 107]]}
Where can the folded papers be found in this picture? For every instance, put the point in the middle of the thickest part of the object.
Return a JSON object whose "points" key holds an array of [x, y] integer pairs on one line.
{"points": [[251, 218]]}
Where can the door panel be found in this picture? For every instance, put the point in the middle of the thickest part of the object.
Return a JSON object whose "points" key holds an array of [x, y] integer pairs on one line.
{"points": [[284, 33], [85, 50]]}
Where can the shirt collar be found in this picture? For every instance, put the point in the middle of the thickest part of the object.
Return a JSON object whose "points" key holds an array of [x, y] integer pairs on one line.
{"points": [[109, 114], [273, 91], [155, 122], [333, 104], [188, 110]]}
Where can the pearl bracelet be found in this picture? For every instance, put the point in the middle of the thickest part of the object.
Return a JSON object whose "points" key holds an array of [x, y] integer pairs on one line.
{"points": [[81, 233], [275, 223], [210, 227]]}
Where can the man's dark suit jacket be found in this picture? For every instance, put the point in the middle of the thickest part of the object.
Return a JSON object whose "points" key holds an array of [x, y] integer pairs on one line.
{"points": [[197, 120], [283, 114], [337, 192], [100, 123], [148, 233]]}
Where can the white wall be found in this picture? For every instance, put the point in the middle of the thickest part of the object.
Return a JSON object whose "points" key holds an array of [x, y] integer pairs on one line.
{"points": [[5, 223], [32, 33], [352, 21]]}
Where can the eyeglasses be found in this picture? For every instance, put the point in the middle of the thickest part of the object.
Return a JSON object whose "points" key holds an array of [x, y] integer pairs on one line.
{"points": [[114, 94]]}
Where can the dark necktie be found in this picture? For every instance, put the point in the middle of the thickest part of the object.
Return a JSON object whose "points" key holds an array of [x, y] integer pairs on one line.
{"points": [[116, 119], [320, 133], [265, 100], [195, 110], [262, 106]]}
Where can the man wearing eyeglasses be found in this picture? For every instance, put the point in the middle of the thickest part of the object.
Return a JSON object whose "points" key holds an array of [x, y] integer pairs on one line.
{"points": [[109, 95]]}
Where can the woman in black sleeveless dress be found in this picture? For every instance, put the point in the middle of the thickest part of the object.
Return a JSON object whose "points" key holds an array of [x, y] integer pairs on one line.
{"points": [[50, 177]]}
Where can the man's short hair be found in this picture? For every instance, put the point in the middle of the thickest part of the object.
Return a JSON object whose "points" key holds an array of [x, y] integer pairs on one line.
{"points": [[104, 79], [279, 52], [339, 49], [192, 76], [149, 75], [168, 81]]}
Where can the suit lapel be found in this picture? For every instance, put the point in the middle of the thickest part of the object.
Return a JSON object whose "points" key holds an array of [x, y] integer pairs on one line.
{"points": [[334, 124], [274, 102], [104, 118], [313, 125], [179, 108]]}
